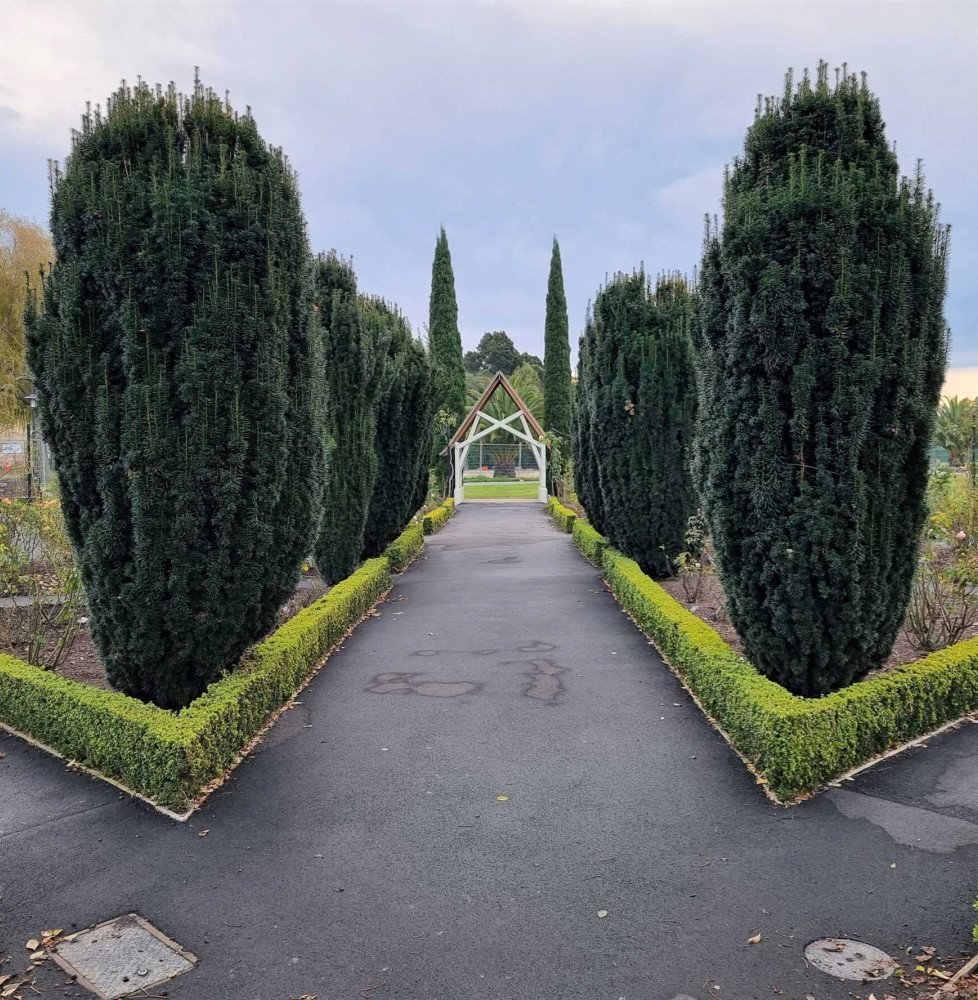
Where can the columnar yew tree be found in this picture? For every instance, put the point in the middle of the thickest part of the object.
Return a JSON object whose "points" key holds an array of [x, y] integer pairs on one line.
{"points": [[355, 347], [556, 355], [178, 371], [641, 393], [405, 424], [586, 448], [444, 339], [822, 348]]}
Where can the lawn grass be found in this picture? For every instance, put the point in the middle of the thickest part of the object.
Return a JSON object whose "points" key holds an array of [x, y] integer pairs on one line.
{"points": [[501, 491]]}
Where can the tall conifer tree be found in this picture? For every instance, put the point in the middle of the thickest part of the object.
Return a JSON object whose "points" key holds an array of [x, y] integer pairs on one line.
{"points": [[822, 348], [444, 339], [354, 365], [641, 402], [179, 379], [557, 400], [404, 429]]}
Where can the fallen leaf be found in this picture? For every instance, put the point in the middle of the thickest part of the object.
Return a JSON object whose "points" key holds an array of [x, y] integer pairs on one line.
{"points": [[32, 944], [203, 833], [602, 913], [502, 798], [35, 955], [756, 939]]}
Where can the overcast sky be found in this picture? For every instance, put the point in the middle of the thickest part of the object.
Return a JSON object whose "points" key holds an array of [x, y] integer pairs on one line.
{"points": [[607, 124]]}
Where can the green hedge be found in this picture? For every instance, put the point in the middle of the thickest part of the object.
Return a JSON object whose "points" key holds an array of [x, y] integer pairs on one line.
{"points": [[796, 744], [170, 757], [563, 516], [405, 548], [436, 519], [589, 541]]}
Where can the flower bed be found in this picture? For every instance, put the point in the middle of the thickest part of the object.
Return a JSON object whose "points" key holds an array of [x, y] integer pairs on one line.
{"points": [[170, 757]]}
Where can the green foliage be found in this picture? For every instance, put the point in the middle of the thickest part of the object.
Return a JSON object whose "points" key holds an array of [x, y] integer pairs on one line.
{"points": [[404, 429], [586, 445], [178, 374], [496, 353], [355, 345], [563, 516], [592, 543], [444, 339], [436, 519], [37, 564], [405, 548], [956, 428], [641, 401], [170, 757], [822, 348], [557, 399], [797, 744]]}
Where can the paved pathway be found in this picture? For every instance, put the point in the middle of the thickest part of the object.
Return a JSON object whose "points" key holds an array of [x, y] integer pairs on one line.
{"points": [[363, 851]]}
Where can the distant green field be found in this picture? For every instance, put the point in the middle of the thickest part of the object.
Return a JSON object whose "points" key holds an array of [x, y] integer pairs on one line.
{"points": [[501, 491]]}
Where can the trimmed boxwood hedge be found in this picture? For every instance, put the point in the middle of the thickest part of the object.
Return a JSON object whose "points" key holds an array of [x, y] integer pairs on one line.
{"points": [[563, 516], [405, 548], [796, 744], [589, 541], [170, 757], [436, 519]]}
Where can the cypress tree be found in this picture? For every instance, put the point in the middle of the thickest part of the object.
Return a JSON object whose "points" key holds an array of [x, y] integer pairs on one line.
{"points": [[642, 400], [822, 348], [405, 426], [355, 346], [556, 355], [444, 339], [178, 372]]}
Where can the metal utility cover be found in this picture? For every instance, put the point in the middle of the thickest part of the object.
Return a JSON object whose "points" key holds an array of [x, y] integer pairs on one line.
{"points": [[122, 956], [847, 959]]}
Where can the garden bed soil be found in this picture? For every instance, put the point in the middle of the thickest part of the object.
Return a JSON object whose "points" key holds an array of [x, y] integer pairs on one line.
{"points": [[710, 607], [82, 662]]}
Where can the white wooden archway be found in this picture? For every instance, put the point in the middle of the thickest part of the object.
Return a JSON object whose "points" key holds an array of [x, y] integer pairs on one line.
{"points": [[522, 425]]}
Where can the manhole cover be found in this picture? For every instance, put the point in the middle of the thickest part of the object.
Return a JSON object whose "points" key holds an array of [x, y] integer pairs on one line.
{"points": [[122, 956], [847, 959]]}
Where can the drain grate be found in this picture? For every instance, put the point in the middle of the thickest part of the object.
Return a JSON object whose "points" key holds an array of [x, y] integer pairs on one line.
{"points": [[122, 956], [852, 960]]}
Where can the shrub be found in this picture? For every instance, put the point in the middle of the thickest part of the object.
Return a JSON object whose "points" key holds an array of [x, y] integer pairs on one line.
{"points": [[797, 744], [37, 566], [589, 541], [405, 426], [353, 358], [436, 519], [171, 756], [822, 347], [405, 548], [563, 516], [177, 369], [641, 397]]}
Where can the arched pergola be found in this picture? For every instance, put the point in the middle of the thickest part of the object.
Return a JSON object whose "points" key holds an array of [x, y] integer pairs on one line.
{"points": [[522, 425]]}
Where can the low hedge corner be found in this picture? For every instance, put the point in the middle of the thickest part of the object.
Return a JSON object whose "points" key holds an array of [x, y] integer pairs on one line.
{"points": [[796, 744], [171, 757]]}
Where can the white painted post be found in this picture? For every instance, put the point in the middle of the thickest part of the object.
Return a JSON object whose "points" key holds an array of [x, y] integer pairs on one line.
{"points": [[459, 487], [541, 450]]}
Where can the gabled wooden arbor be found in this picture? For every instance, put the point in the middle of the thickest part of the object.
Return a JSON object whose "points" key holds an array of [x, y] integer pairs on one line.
{"points": [[521, 424]]}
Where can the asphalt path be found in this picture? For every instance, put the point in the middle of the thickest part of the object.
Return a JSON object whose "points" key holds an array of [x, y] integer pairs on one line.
{"points": [[496, 789]]}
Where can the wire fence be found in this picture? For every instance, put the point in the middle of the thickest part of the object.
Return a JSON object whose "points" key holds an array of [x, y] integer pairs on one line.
{"points": [[500, 462]]}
